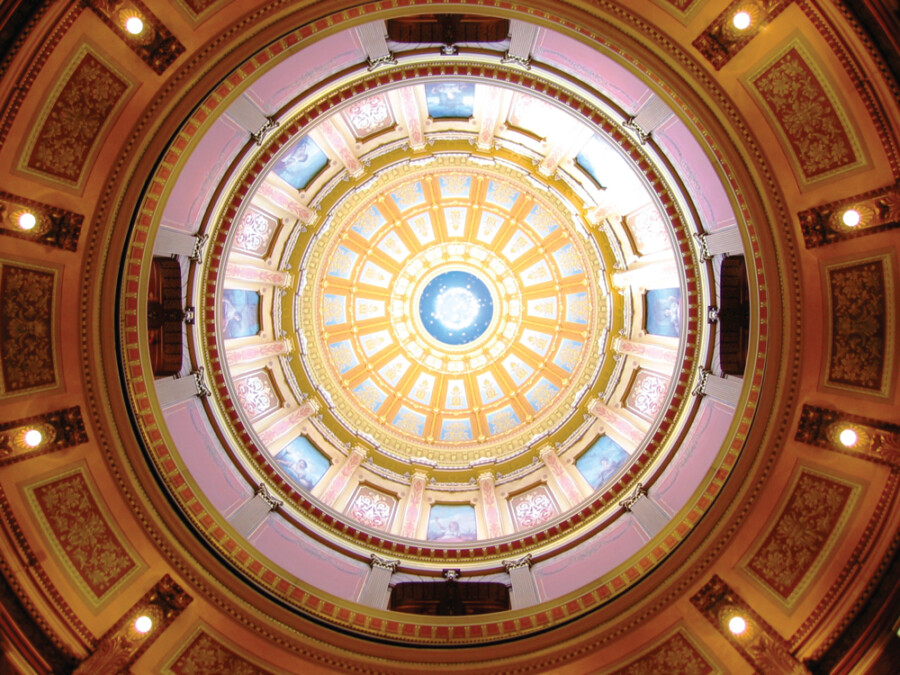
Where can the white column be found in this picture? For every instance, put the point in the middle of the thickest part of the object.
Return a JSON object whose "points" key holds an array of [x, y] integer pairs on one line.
{"points": [[648, 514], [523, 591], [376, 591], [253, 512], [374, 40], [726, 389], [170, 390], [726, 241], [653, 113], [521, 41], [172, 242]]}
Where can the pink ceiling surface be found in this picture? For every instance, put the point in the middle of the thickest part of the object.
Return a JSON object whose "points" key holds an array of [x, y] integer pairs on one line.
{"points": [[584, 62], [308, 560], [215, 475], [697, 172], [300, 71], [695, 455], [201, 174], [589, 561]]}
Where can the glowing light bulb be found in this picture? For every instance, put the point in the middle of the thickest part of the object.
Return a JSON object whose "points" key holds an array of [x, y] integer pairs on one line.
{"points": [[143, 623], [851, 218], [27, 221], [134, 25], [741, 20], [737, 625], [33, 438], [848, 438]]}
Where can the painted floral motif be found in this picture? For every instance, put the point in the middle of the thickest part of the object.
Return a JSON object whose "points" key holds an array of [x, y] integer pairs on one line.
{"points": [[26, 328], [372, 508], [807, 115], [255, 232], [801, 533], [647, 394], [532, 508], [72, 516], [256, 394], [207, 655], [368, 116], [74, 122], [859, 317], [675, 655]]}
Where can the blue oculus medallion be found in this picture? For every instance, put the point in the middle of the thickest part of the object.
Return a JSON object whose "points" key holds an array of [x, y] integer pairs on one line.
{"points": [[456, 307]]}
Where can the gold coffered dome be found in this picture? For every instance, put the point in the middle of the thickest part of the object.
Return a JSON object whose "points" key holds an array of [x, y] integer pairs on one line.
{"points": [[452, 313]]}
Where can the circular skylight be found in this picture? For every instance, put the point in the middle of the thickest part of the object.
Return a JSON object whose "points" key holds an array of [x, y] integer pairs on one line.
{"points": [[456, 307]]}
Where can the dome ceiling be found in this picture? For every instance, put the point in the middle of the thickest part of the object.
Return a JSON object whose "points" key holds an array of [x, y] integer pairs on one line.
{"points": [[441, 270], [366, 317]]}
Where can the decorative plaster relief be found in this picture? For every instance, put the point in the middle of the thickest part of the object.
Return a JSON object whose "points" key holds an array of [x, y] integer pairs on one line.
{"points": [[802, 105], [205, 654], [802, 534], [369, 116], [79, 528], [73, 121], [860, 323], [27, 328], [676, 654]]}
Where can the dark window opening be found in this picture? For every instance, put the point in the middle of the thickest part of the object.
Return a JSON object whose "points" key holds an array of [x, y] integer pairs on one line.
{"points": [[734, 316], [449, 598], [449, 29], [165, 317]]}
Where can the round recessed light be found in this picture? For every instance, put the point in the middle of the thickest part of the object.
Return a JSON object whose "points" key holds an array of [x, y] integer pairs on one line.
{"points": [[134, 25], [851, 218], [741, 20], [848, 438], [27, 220], [33, 438], [737, 625], [143, 623]]}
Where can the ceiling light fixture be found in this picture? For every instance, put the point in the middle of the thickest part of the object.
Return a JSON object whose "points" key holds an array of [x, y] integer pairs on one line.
{"points": [[851, 218], [848, 438], [143, 624], [741, 20], [134, 25], [737, 625], [27, 220], [33, 438]]}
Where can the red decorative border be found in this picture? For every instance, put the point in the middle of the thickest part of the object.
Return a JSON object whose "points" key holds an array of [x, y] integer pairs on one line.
{"points": [[244, 560]]}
